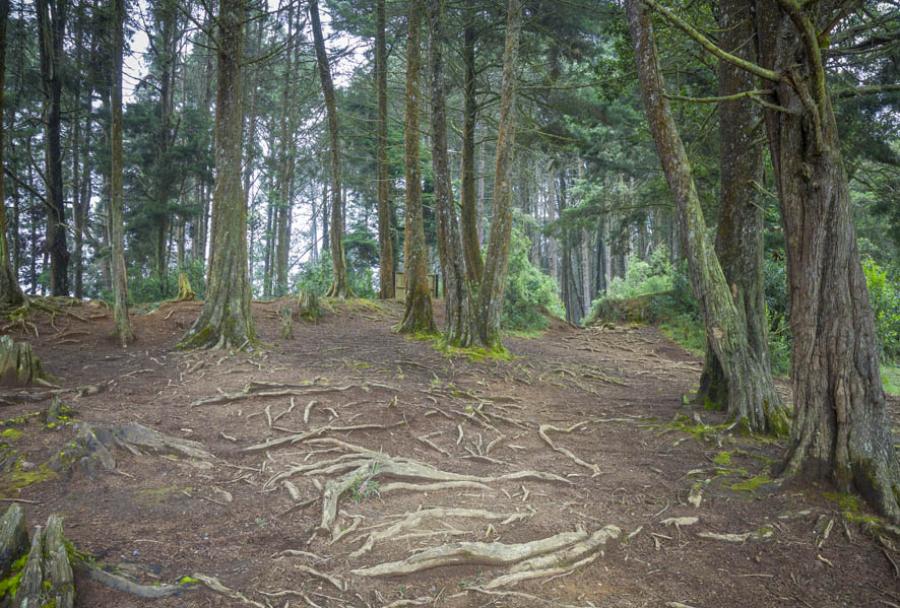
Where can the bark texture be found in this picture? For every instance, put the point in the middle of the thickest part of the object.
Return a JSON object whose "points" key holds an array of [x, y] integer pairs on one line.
{"points": [[750, 400], [457, 294], [340, 288], [469, 212], [493, 283], [225, 320], [10, 292], [841, 429], [418, 316], [385, 237]]}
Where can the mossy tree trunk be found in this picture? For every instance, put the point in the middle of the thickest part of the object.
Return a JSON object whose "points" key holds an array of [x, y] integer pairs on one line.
{"points": [[386, 289], [10, 292], [340, 288], [469, 211], [225, 320], [457, 294], [493, 282], [749, 395], [287, 164], [739, 237], [117, 184], [842, 430], [418, 316]]}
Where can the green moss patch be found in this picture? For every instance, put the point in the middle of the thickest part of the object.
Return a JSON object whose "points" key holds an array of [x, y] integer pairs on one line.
{"points": [[752, 484]]}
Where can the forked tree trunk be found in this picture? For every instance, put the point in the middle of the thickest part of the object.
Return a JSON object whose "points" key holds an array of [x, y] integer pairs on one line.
{"points": [[469, 211], [225, 320], [493, 282], [419, 316], [385, 237], [739, 238], [751, 399], [340, 288], [10, 292], [116, 183], [841, 431], [457, 294]]}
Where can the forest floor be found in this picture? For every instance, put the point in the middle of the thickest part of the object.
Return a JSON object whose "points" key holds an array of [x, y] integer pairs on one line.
{"points": [[637, 458]]}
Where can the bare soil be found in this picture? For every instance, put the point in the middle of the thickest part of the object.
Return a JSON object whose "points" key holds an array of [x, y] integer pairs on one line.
{"points": [[159, 518]]}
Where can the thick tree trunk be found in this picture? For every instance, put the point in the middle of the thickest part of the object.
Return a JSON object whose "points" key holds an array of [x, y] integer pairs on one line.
{"points": [[340, 288], [385, 237], [51, 17], [457, 293], [117, 185], [225, 320], [469, 212], [739, 238], [493, 283], [751, 399], [10, 292], [418, 316], [841, 429]]}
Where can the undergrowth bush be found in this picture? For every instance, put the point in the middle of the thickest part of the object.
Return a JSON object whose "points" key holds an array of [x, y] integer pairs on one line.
{"points": [[316, 277], [884, 295], [530, 294]]}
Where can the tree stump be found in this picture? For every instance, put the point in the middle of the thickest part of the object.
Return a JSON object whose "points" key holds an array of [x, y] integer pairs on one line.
{"points": [[287, 321], [185, 292], [13, 539], [47, 578], [18, 364], [309, 306]]}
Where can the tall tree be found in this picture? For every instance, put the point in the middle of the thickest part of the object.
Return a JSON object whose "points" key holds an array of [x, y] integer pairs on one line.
{"points": [[493, 282], [51, 18], [419, 316], [469, 206], [385, 238], [739, 236], [225, 320], [340, 288], [10, 292], [457, 293], [116, 182], [752, 400]]}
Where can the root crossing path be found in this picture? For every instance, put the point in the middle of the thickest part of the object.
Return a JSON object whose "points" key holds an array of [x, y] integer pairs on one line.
{"points": [[348, 466]]}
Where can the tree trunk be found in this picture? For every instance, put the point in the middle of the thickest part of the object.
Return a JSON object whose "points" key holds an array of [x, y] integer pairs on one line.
{"points": [[751, 400], [225, 320], [10, 292], [739, 238], [385, 237], [457, 293], [469, 212], [841, 429], [51, 17], [418, 316], [493, 283], [340, 288], [117, 184]]}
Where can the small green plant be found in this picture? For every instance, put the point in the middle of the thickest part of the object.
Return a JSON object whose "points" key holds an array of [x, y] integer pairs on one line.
{"points": [[364, 485], [752, 484], [530, 296]]}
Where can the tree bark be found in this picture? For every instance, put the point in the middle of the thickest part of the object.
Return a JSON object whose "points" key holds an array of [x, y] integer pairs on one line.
{"points": [[469, 212], [841, 429], [117, 185], [51, 18], [457, 292], [286, 168], [340, 288], [225, 320], [493, 282], [10, 292], [418, 316], [385, 237], [739, 237], [751, 400]]}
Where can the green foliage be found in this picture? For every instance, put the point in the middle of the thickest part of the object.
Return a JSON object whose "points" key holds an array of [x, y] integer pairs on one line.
{"points": [[316, 277], [530, 294], [644, 278], [146, 287], [884, 295], [890, 377]]}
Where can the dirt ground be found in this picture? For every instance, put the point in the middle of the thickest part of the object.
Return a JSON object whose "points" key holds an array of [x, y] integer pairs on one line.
{"points": [[644, 457]]}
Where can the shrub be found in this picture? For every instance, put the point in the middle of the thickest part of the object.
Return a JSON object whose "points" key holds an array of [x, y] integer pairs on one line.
{"points": [[884, 295], [530, 294]]}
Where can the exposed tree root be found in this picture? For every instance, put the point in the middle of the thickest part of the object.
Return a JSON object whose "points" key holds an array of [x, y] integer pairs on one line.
{"points": [[544, 428], [271, 389], [333, 580], [125, 585], [216, 585], [298, 437], [543, 557]]}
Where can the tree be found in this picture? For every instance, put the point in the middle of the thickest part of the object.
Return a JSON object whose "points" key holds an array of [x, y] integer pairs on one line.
{"points": [[116, 183], [10, 292], [418, 316], [340, 288], [225, 319], [751, 399], [457, 293], [739, 236], [385, 238], [493, 282], [469, 206], [51, 18]]}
